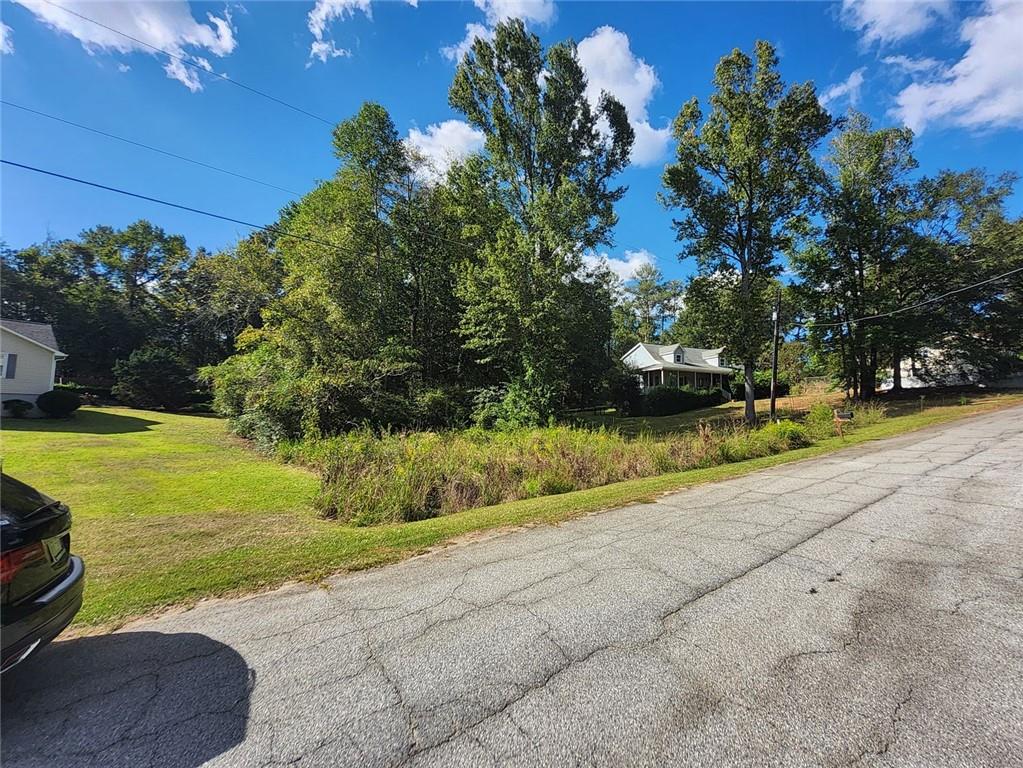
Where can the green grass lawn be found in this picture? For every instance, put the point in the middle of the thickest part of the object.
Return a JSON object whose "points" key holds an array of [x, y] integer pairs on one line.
{"points": [[170, 508]]}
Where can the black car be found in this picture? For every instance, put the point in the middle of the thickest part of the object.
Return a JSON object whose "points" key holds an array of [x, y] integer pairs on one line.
{"points": [[40, 580]]}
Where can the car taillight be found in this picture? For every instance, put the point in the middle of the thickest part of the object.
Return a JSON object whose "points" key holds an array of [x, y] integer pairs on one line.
{"points": [[13, 561]]}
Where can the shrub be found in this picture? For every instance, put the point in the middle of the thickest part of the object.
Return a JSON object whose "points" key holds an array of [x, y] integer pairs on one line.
{"points": [[624, 391], [271, 400], [820, 421], [667, 401], [439, 407], [58, 403], [792, 435], [98, 393], [520, 404], [153, 377], [19, 409]]}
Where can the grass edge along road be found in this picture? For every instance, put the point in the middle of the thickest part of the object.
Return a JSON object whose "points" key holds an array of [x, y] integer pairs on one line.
{"points": [[300, 547]]}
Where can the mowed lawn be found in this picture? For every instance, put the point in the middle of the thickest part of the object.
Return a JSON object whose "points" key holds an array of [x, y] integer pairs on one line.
{"points": [[170, 508], [159, 497]]}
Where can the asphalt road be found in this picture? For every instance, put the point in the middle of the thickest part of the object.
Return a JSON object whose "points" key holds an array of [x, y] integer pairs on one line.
{"points": [[860, 609]]}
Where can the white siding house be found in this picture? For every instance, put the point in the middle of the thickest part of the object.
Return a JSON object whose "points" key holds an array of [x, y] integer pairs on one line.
{"points": [[28, 359], [677, 366]]}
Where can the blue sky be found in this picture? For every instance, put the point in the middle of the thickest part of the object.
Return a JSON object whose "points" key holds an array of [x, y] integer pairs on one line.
{"points": [[952, 71]]}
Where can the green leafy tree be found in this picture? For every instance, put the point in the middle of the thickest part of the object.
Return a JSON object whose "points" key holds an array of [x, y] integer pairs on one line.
{"points": [[740, 179], [889, 242], [137, 258], [552, 169], [221, 295], [153, 377], [653, 301], [63, 283], [363, 325], [866, 258]]}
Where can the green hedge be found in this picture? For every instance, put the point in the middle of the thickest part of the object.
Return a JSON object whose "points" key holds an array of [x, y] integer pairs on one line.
{"points": [[667, 401]]}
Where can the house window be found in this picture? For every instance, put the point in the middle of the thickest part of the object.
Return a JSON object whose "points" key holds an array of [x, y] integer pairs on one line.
{"points": [[678, 358], [8, 365]]}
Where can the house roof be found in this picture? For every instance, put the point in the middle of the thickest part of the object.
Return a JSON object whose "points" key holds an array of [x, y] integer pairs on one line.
{"points": [[693, 358], [37, 333]]}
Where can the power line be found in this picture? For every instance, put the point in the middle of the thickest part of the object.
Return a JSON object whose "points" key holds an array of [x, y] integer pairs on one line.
{"points": [[271, 229], [919, 304], [188, 63], [176, 156], [147, 146]]}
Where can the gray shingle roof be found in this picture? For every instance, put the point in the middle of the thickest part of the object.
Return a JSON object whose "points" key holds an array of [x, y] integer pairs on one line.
{"points": [[41, 333]]}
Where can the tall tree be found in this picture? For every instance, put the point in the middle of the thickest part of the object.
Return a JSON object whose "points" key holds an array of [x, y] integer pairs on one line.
{"points": [[740, 178], [82, 287], [653, 300], [137, 258], [363, 325], [553, 167], [866, 251]]}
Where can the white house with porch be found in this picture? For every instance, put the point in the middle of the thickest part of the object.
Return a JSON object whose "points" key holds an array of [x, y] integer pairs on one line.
{"points": [[673, 365]]}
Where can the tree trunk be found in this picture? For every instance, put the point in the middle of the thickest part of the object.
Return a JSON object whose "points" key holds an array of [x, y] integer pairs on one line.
{"points": [[751, 409], [896, 371], [868, 375]]}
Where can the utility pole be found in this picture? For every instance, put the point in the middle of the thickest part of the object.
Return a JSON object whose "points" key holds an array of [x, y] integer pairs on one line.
{"points": [[776, 316]]}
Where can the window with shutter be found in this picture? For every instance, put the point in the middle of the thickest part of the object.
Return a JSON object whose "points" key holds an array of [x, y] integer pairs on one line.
{"points": [[10, 365]]}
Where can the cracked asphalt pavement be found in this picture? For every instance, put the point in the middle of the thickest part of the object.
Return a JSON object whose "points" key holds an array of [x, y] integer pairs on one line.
{"points": [[864, 608]]}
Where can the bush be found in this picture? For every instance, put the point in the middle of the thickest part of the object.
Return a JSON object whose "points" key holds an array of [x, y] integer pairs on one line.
{"points": [[58, 403], [271, 400], [153, 377], [820, 421], [99, 393], [518, 405], [667, 401], [624, 392], [19, 409], [789, 433], [439, 407]]}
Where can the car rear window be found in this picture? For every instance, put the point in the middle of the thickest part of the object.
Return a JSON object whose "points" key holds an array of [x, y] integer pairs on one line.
{"points": [[18, 499]]}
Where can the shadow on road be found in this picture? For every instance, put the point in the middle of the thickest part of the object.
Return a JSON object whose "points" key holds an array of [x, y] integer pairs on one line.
{"points": [[128, 699]]}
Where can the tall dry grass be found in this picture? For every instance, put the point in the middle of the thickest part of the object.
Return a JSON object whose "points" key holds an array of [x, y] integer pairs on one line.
{"points": [[371, 479]]}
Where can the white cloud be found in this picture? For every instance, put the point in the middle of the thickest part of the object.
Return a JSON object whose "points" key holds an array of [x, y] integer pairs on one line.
{"points": [[848, 89], [888, 21], [444, 143], [456, 51], [123, 68], [912, 66], [610, 66], [624, 268], [325, 11], [984, 89], [539, 11], [167, 25], [535, 11], [323, 50], [320, 17], [6, 43]]}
